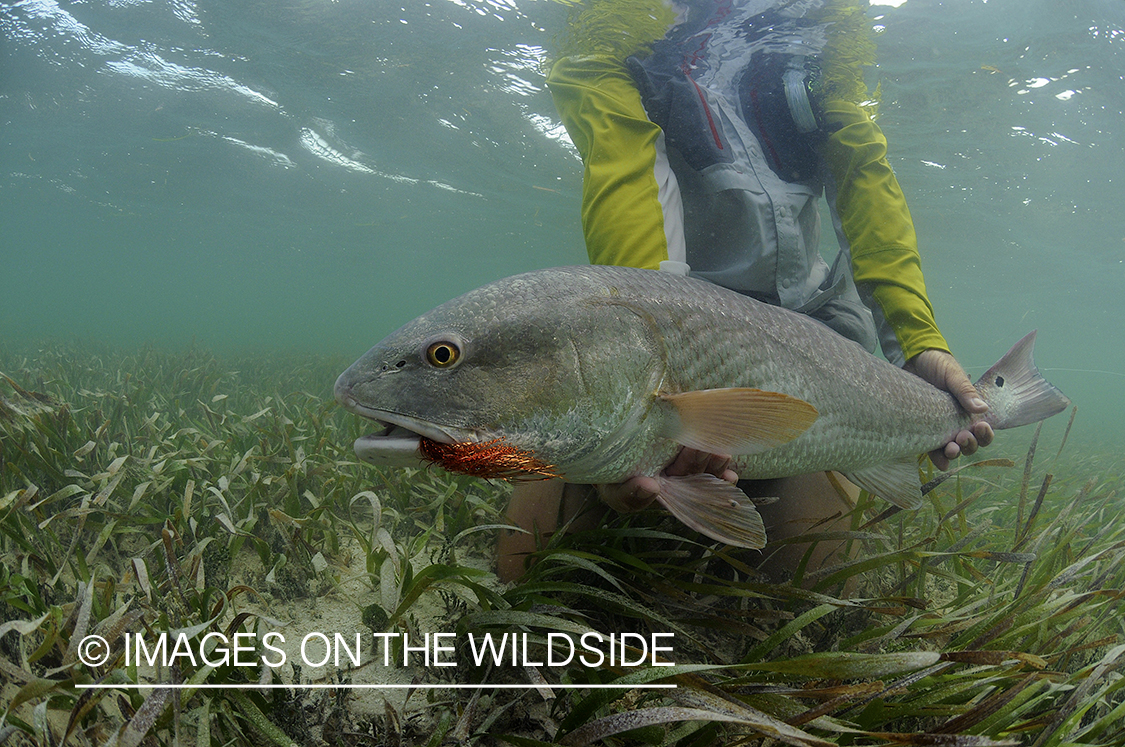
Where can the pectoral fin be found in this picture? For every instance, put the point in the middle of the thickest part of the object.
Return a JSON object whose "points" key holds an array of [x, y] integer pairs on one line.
{"points": [[713, 507], [895, 481], [736, 421]]}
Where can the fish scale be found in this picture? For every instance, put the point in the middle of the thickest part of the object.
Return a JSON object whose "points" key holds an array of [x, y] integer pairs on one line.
{"points": [[794, 354], [605, 373]]}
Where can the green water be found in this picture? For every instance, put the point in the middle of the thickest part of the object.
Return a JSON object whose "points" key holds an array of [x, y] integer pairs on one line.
{"points": [[303, 176]]}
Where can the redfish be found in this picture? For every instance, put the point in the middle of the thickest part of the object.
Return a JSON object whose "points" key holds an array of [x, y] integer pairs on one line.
{"points": [[597, 374]]}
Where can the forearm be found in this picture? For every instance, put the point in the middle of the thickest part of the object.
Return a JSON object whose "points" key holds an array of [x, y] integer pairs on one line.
{"points": [[878, 226], [622, 216]]}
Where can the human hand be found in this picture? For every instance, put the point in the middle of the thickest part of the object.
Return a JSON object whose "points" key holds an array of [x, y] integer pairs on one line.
{"points": [[637, 492], [943, 371]]}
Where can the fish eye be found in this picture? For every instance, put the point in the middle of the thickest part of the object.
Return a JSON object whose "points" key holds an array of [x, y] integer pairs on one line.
{"points": [[443, 353]]}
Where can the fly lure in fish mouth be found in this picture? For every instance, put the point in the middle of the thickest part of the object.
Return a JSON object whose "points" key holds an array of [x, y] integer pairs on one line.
{"points": [[493, 459]]}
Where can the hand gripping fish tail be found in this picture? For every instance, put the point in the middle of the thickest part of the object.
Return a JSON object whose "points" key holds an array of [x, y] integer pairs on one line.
{"points": [[1016, 393]]}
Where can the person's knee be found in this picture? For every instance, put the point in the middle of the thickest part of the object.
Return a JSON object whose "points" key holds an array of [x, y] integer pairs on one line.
{"points": [[806, 506], [534, 510], [538, 509]]}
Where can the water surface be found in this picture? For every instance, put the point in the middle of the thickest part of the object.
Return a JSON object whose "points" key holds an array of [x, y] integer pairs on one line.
{"points": [[306, 176]]}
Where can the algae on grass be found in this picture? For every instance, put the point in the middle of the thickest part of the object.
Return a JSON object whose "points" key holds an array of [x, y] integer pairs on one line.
{"points": [[147, 492]]}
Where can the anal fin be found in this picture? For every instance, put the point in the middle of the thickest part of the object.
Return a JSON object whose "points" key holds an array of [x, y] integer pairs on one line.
{"points": [[895, 481], [715, 508]]}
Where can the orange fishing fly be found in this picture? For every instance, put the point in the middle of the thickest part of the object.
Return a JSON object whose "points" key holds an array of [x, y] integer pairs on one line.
{"points": [[493, 459]]}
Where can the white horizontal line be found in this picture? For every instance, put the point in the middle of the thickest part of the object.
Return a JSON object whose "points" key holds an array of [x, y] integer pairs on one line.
{"points": [[314, 686]]}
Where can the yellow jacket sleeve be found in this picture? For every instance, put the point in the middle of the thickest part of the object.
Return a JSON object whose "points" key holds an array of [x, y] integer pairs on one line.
{"points": [[601, 108], [877, 224]]}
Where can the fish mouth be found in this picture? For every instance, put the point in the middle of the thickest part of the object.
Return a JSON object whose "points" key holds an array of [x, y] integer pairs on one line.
{"points": [[396, 443], [394, 446], [407, 441]]}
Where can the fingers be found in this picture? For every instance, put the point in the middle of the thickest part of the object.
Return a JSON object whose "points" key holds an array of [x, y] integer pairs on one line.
{"points": [[966, 443], [631, 495], [695, 462], [960, 387], [939, 458], [637, 492], [983, 432], [943, 371], [963, 443]]}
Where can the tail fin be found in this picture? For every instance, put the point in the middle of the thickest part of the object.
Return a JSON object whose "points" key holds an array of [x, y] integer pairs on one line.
{"points": [[1015, 392]]}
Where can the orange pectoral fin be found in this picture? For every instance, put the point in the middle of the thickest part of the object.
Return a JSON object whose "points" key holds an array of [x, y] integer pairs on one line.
{"points": [[737, 421]]}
